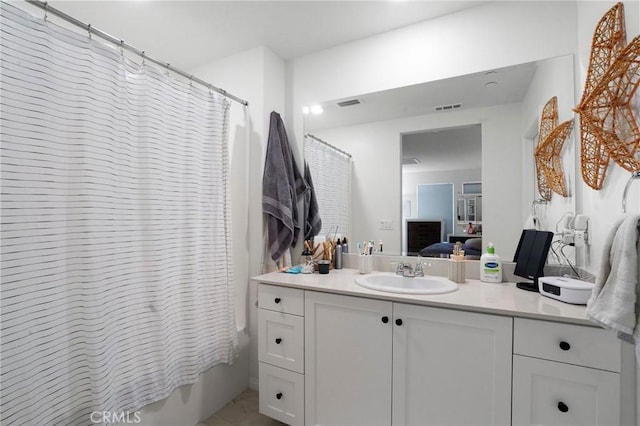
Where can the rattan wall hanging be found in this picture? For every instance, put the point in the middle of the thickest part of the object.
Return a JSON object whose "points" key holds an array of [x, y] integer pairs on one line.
{"points": [[607, 124], [551, 138]]}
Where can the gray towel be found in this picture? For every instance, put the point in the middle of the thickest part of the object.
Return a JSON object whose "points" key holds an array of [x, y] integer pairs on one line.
{"points": [[614, 301], [313, 222], [282, 188]]}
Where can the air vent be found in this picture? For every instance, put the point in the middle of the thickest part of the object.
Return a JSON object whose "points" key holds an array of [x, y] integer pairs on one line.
{"points": [[406, 161], [350, 102], [448, 107]]}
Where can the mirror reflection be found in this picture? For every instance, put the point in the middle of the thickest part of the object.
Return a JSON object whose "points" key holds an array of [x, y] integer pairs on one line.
{"points": [[491, 184], [442, 180]]}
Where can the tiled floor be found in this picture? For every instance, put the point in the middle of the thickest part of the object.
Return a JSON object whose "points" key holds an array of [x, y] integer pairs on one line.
{"points": [[241, 411]]}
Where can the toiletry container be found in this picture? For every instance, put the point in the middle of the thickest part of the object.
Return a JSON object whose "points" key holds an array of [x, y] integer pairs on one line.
{"points": [[338, 256], [456, 271], [490, 266]]}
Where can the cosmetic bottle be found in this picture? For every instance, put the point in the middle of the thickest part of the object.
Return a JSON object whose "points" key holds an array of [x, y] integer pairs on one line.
{"points": [[490, 266], [345, 245], [338, 256]]}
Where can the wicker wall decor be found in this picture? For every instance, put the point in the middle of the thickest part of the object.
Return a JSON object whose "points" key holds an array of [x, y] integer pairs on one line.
{"points": [[607, 124], [551, 138]]}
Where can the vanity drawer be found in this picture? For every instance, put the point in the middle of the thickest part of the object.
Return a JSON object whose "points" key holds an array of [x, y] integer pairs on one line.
{"points": [[573, 344], [281, 394], [281, 340], [281, 299], [557, 394]]}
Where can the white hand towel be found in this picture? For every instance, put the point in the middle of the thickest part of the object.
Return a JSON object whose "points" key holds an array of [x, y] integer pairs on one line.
{"points": [[614, 300]]}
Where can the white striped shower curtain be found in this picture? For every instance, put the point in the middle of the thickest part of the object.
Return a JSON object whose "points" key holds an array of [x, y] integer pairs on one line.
{"points": [[116, 268], [331, 173]]}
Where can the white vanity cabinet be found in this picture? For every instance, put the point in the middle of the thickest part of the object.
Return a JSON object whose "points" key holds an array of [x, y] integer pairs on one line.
{"points": [[347, 360], [280, 353], [565, 375], [373, 362], [330, 358], [450, 367]]}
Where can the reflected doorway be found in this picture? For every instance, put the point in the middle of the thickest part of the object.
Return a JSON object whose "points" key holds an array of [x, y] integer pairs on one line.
{"points": [[446, 161]]}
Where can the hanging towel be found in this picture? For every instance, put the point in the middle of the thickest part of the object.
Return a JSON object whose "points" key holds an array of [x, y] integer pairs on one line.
{"points": [[282, 188], [313, 222], [614, 300]]}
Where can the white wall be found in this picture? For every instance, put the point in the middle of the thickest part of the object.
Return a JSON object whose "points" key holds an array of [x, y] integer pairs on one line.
{"points": [[604, 206], [552, 78], [377, 187]]}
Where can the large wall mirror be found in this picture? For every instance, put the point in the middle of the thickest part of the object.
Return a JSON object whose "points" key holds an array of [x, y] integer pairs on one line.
{"points": [[477, 130]]}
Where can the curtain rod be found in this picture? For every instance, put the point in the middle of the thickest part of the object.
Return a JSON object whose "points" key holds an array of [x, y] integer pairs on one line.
{"points": [[92, 30], [309, 135]]}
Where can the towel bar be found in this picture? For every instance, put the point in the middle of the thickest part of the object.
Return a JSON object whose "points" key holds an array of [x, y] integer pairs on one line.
{"points": [[634, 175]]}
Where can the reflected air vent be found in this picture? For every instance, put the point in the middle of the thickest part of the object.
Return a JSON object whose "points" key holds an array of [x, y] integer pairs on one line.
{"points": [[407, 161], [448, 107], [350, 102]]}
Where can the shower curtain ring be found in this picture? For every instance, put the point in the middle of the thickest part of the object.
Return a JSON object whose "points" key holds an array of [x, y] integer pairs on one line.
{"points": [[121, 47], [89, 30], [168, 68], [210, 89], [46, 10], [142, 54]]}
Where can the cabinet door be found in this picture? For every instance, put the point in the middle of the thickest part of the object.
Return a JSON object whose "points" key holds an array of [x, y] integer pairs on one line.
{"points": [[552, 393], [450, 367], [347, 360]]}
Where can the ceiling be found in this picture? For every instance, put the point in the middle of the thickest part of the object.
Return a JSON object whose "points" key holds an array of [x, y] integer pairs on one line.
{"points": [[478, 90], [458, 148], [189, 34]]}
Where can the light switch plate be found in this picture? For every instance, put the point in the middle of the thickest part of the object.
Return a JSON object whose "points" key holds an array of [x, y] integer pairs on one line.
{"points": [[386, 225]]}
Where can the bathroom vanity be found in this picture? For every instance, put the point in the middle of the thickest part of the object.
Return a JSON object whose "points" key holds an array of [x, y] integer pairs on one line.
{"points": [[332, 352]]}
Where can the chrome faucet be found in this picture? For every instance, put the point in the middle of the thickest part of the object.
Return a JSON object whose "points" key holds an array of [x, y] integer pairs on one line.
{"points": [[406, 270]]}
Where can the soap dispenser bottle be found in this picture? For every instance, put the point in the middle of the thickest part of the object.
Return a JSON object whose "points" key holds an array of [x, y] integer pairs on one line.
{"points": [[490, 266]]}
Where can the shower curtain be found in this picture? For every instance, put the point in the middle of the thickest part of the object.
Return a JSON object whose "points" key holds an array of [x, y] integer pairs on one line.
{"points": [[331, 173], [116, 268]]}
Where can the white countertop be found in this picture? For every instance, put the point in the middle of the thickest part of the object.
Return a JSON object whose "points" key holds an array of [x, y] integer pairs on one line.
{"points": [[495, 298]]}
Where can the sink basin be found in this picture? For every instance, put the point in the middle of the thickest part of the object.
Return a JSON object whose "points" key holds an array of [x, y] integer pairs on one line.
{"points": [[396, 284]]}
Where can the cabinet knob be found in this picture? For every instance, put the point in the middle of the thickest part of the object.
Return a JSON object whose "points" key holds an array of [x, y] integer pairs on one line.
{"points": [[563, 407], [385, 319], [278, 340], [565, 346], [277, 300], [279, 395], [398, 321]]}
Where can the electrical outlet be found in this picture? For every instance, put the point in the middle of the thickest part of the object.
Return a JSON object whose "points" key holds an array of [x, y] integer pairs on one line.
{"points": [[581, 238], [386, 225]]}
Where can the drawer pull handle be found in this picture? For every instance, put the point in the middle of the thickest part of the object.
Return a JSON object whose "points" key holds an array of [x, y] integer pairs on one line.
{"points": [[565, 346], [278, 340], [563, 407], [398, 321], [279, 395], [385, 319], [277, 300]]}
